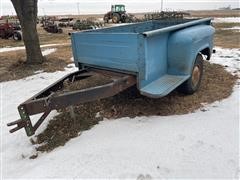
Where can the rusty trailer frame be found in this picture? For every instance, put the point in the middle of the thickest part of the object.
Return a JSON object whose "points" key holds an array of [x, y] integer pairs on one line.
{"points": [[48, 100]]}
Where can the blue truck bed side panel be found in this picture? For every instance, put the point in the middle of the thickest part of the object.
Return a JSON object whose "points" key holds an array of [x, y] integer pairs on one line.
{"points": [[117, 51]]}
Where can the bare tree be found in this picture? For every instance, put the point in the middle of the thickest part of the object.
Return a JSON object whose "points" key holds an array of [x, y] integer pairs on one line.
{"points": [[27, 13]]}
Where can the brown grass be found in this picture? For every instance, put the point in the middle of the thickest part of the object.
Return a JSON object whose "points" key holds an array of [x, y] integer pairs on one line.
{"points": [[13, 64], [10, 42], [53, 38], [215, 13], [217, 84], [227, 38], [94, 80]]}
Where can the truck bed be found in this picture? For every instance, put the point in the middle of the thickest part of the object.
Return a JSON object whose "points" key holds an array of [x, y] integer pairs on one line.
{"points": [[140, 48]]}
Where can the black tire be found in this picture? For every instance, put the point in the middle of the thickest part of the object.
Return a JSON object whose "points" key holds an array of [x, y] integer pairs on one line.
{"points": [[115, 18], [60, 31], [17, 36], [193, 83], [105, 19], [128, 20]]}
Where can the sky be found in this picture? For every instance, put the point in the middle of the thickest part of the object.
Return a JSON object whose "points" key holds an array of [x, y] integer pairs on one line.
{"points": [[51, 7]]}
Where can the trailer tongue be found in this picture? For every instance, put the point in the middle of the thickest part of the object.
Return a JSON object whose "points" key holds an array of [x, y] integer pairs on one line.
{"points": [[49, 99]]}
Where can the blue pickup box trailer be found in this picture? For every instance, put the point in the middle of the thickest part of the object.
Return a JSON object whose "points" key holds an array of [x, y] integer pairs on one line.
{"points": [[157, 56], [162, 54]]}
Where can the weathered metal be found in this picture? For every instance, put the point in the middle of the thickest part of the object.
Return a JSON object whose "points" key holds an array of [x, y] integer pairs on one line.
{"points": [[51, 27], [49, 99], [196, 75], [65, 22], [10, 30]]}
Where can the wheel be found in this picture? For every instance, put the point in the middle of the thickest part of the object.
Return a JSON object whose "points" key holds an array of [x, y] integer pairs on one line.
{"points": [[17, 36], [123, 19], [192, 84], [128, 20], [116, 18], [60, 31], [106, 19]]}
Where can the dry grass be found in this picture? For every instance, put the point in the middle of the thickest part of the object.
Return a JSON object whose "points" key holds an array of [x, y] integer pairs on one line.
{"points": [[10, 42], [95, 80], [215, 13], [13, 64], [227, 38], [53, 38]]}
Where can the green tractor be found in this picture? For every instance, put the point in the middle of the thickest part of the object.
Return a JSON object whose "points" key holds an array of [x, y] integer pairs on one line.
{"points": [[117, 14]]}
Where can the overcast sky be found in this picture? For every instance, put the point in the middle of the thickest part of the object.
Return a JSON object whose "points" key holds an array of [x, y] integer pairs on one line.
{"points": [[101, 6]]}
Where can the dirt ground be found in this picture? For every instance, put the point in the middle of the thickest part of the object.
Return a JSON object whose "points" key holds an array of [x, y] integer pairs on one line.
{"points": [[217, 84]]}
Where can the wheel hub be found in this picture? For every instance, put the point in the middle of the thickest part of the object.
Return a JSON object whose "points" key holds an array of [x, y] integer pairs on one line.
{"points": [[196, 75], [114, 19]]}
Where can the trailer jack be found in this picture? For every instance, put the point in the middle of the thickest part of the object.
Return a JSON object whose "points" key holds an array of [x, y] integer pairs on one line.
{"points": [[48, 99]]}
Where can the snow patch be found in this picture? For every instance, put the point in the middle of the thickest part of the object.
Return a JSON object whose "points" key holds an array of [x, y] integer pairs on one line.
{"points": [[39, 71], [8, 49], [48, 51], [227, 20], [237, 28], [70, 65], [229, 58]]}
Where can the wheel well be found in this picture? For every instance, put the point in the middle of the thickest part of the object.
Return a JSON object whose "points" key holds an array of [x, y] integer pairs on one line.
{"points": [[206, 52]]}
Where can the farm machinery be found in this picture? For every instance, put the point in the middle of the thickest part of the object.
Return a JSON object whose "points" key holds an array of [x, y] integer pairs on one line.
{"points": [[65, 22], [10, 30], [51, 27], [86, 24], [165, 15], [155, 56], [117, 14]]}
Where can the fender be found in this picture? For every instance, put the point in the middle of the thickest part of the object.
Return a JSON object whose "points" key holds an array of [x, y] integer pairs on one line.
{"points": [[184, 45]]}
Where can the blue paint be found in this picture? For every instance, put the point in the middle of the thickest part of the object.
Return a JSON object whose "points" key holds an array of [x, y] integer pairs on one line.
{"points": [[160, 53]]}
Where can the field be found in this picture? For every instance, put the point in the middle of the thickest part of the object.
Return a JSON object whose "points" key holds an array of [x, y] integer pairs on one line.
{"points": [[127, 135]]}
